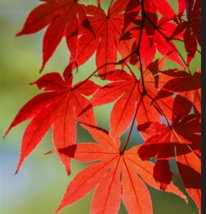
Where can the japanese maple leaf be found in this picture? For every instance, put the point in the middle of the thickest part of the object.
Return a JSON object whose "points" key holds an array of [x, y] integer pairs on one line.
{"points": [[106, 38], [58, 15], [131, 12], [152, 39], [161, 6], [128, 90], [184, 135], [191, 27], [59, 106], [147, 49], [151, 7], [106, 176], [186, 85]]}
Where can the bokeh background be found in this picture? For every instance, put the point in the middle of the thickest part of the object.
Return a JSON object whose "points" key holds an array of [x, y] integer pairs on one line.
{"points": [[42, 181]]}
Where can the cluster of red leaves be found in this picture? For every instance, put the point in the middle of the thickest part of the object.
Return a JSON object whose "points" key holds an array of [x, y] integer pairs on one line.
{"points": [[133, 29]]}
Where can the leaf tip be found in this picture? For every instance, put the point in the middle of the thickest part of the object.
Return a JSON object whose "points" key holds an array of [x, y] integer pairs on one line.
{"points": [[186, 200], [50, 152], [7, 131], [42, 67], [163, 186], [18, 34], [59, 208], [16, 170], [68, 172], [41, 70]]}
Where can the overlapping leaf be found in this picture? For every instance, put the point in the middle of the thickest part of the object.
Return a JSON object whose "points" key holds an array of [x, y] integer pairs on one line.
{"points": [[161, 6], [106, 173], [191, 27], [106, 39], [128, 90], [186, 85], [153, 39], [184, 136], [58, 107]]}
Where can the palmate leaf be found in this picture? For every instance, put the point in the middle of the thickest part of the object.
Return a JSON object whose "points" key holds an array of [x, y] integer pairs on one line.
{"points": [[59, 107], [153, 39], [58, 15], [106, 38], [105, 175], [191, 27], [184, 135], [151, 7], [186, 85], [127, 89], [161, 6]]}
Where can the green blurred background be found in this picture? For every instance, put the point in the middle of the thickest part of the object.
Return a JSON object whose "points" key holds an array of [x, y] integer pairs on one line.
{"points": [[42, 181]]}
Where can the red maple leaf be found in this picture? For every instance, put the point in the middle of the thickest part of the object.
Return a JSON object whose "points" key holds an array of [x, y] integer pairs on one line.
{"points": [[58, 15], [106, 175], [151, 7], [162, 6], [147, 48], [128, 90], [131, 12], [106, 38], [191, 27], [184, 136], [152, 38], [60, 107], [186, 85]]}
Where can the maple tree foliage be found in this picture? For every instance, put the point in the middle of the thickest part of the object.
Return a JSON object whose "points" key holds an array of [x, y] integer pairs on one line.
{"points": [[136, 30]]}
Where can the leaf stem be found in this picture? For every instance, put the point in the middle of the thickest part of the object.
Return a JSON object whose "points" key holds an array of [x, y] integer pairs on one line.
{"points": [[130, 131], [138, 47], [141, 71], [131, 71], [142, 25], [109, 63], [109, 7], [186, 43], [162, 112]]}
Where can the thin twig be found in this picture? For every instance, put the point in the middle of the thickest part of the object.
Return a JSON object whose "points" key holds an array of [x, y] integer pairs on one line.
{"points": [[186, 43], [109, 8], [162, 112], [138, 46], [167, 40], [109, 63], [141, 70], [130, 131], [131, 71]]}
